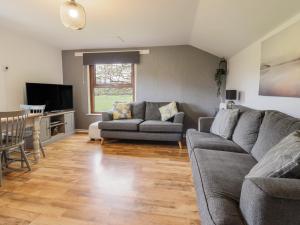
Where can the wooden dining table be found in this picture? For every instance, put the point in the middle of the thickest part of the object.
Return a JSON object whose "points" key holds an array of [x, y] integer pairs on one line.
{"points": [[33, 121]]}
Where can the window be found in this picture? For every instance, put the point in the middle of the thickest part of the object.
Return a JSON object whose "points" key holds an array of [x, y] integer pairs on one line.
{"points": [[110, 83]]}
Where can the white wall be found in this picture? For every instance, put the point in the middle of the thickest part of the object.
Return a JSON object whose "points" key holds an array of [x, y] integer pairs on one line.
{"points": [[244, 76], [29, 61]]}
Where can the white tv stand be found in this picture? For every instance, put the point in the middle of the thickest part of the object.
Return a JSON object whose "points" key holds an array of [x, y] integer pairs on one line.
{"points": [[56, 125]]}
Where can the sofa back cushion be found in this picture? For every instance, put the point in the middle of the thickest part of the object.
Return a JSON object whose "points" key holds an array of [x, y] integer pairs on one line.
{"points": [[152, 110], [225, 122], [274, 128], [247, 128], [138, 110]]}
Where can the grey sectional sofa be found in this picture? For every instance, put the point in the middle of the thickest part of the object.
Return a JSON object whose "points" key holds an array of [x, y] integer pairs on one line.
{"points": [[219, 168], [145, 124]]}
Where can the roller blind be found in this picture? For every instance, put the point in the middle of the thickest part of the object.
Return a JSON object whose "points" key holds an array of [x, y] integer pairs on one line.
{"points": [[111, 58]]}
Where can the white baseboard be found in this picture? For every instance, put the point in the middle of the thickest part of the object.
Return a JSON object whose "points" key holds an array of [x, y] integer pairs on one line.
{"points": [[81, 131]]}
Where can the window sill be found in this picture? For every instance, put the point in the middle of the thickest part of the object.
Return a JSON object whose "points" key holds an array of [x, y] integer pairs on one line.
{"points": [[93, 114]]}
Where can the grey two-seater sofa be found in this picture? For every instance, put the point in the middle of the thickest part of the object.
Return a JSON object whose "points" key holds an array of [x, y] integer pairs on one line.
{"points": [[145, 124], [219, 168]]}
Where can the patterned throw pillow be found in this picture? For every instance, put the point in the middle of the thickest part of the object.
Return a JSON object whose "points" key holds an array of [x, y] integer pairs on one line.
{"points": [[121, 111], [283, 160], [225, 122], [168, 111]]}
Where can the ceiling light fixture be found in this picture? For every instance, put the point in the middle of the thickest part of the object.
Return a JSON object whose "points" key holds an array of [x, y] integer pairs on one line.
{"points": [[72, 15]]}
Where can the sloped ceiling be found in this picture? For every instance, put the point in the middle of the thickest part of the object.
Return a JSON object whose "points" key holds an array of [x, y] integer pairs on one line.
{"points": [[221, 27], [224, 27]]}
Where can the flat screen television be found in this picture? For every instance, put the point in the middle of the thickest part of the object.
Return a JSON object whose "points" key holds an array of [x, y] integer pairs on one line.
{"points": [[55, 97]]}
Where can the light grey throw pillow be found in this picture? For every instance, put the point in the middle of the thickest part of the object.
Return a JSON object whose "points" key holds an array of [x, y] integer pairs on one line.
{"points": [[225, 122], [283, 160], [168, 111]]}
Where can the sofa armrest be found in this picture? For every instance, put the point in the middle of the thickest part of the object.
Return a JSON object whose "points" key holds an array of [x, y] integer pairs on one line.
{"points": [[266, 201], [204, 124], [107, 116], [178, 118]]}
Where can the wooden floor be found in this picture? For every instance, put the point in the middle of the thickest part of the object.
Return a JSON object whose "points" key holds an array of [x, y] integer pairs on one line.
{"points": [[82, 183]]}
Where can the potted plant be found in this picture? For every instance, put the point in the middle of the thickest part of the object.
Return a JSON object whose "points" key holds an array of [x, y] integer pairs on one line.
{"points": [[220, 77]]}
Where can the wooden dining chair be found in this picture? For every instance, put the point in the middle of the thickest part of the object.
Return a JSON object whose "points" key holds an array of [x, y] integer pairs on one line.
{"points": [[33, 109], [12, 129]]}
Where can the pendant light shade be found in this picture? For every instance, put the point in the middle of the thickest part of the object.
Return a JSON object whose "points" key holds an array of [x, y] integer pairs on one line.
{"points": [[72, 15]]}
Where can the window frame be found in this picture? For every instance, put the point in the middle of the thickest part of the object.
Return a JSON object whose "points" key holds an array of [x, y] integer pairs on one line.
{"points": [[93, 84]]}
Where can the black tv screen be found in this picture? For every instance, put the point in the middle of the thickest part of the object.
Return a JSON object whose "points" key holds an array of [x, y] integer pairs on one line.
{"points": [[55, 97]]}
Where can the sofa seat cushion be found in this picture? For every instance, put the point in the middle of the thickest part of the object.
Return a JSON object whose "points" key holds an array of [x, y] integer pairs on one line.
{"points": [[218, 179], [223, 173], [161, 126], [203, 140], [126, 125]]}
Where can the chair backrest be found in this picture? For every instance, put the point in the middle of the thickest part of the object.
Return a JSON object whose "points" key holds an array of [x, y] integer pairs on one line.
{"points": [[33, 109], [12, 126]]}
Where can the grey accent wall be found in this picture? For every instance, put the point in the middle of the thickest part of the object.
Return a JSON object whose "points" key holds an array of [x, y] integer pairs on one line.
{"points": [[181, 73]]}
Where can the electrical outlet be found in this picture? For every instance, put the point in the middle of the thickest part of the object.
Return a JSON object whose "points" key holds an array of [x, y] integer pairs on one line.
{"points": [[4, 68]]}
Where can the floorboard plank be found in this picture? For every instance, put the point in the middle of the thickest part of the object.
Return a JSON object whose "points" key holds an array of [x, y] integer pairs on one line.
{"points": [[122, 182]]}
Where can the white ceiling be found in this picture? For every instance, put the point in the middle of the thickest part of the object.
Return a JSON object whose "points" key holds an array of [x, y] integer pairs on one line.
{"points": [[224, 27], [221, 27]]}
